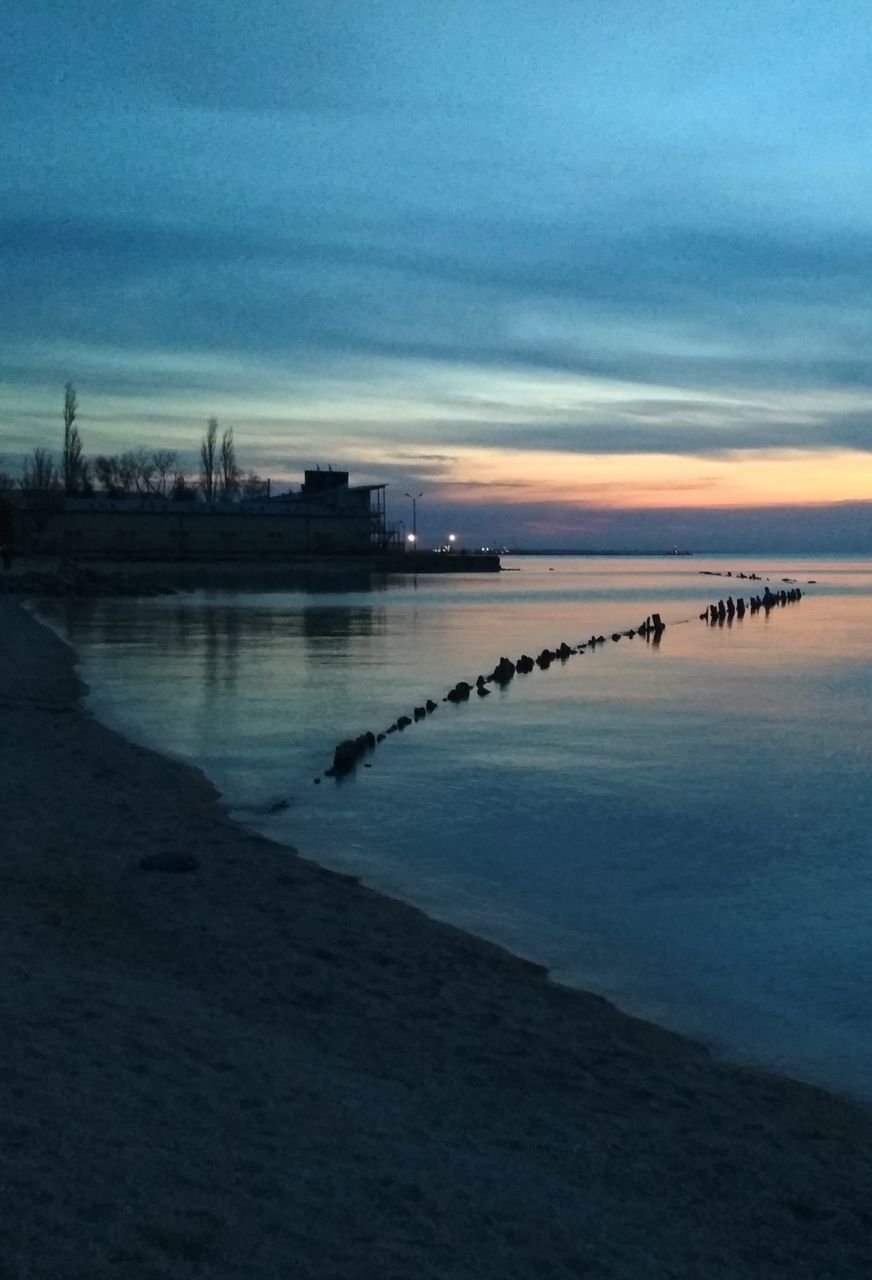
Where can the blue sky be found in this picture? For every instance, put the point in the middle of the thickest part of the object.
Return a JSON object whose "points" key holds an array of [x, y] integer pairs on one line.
{"points": [[581, 272]]}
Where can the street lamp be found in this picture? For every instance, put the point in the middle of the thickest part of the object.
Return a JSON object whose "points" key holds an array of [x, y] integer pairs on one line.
{"points": [[413, 536], [452, 538]]}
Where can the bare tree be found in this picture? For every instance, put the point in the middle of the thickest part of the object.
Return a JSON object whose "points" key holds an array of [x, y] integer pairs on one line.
{"points": [[182, 490], [71, 460], [253, 486], [86, 478], [229, 470], [106, 469], [209, 460], [128, 470], [164, 461], [142, 469], [40, 472]]}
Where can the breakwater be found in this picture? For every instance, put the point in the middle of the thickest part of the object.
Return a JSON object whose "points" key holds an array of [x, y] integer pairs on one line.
{"points": [[351, 751]]}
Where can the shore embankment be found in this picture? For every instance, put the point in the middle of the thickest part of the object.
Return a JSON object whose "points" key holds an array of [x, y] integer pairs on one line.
{"points": [[258, 1068], [46, 576]]}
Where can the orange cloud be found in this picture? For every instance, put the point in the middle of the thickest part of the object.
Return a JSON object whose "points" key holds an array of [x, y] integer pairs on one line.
{"points": [[755, 478]]}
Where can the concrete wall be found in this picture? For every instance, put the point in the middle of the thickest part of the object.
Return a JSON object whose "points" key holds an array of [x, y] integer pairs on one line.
{"points": [[131, 531]]}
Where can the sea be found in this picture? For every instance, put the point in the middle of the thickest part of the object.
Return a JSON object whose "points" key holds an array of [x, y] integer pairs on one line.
{"points": [[681, 825]]}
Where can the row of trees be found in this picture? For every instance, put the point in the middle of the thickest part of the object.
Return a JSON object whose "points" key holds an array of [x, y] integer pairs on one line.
{"points": [[140, 470]]}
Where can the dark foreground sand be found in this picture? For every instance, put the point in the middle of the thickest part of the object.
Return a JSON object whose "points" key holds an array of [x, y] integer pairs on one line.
{"points": [[262, 1069]]}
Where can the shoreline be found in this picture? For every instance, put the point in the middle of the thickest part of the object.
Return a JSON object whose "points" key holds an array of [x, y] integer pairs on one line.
{"points": [[51, 576], [263, 1067]]}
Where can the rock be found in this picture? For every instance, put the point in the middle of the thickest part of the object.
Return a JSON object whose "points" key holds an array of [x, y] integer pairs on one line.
{"points": [[347, 754], [430, 706], [504, 671], [564, 651], [544, 659], [345, 757], [616, 635], [419, 713], [460, 692], [524, 664], [483, 691], [403, 723], [175, 863]]}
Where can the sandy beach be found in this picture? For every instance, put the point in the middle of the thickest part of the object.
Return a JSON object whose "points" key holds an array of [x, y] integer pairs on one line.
{"points": [[260, 1068]]}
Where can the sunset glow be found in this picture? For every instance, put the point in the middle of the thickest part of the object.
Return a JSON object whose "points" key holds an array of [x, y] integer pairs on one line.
{"points": [[647, 481]]}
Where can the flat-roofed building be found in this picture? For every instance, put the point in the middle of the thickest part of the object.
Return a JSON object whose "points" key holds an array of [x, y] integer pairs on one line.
{"points": [[327, 516]]}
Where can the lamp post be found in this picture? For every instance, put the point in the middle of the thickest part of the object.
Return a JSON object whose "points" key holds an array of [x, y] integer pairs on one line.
{"points": [[413, 537], [452, 538]]}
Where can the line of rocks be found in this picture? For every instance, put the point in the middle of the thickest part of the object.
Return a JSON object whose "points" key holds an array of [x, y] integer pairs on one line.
{"points": [[723, 610], [750, 577], [349, 753], [728, 573]]}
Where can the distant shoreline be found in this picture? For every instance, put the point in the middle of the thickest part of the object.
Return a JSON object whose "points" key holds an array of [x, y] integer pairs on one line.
{"points": [[604, 554]]}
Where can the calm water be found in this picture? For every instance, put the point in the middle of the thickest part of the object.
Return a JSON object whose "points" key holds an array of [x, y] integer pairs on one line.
{"points": [[682, 827]]}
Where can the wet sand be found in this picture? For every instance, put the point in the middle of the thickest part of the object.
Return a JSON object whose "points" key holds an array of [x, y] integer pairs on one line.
{"points": [[262, 1069]]}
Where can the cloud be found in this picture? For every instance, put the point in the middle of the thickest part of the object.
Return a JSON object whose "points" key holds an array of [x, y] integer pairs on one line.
{"points": [[385, 233]]}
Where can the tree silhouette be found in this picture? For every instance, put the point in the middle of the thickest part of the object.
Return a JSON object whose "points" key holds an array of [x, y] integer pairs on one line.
{"points": [[72, 462], [164, 461], [209, 460], [40, 472], [229, 471]]}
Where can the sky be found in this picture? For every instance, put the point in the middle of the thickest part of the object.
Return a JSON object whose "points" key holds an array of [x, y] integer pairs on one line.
{"points": [[588, 273]]}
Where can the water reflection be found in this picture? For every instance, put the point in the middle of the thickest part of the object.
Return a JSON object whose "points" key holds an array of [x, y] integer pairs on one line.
{"points": [[211, 632], [222, 636], [341, 623]]}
